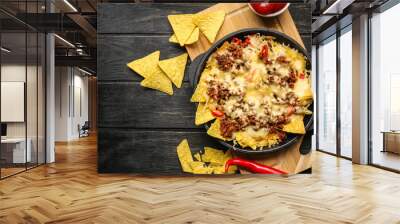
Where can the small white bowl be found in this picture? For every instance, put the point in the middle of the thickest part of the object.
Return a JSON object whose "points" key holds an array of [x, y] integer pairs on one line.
{"points": [[269, 15]]}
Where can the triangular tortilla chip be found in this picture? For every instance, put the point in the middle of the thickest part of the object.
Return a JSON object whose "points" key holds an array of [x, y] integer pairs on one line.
{"points": [[212, 155], [214, 130], [200, 168], [183, 26], [145, 66], [197, 156], [203, 114], [296, 125], [194, 37], [185, 156], [200, 94], [159, 81], [173, 39], [174, 68], [209, 23], [246, 140], [302, 89]]}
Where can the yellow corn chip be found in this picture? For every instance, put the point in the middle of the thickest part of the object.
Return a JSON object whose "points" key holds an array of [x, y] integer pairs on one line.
{"points": [[197, 156], [174, 68], [145, 66], [159, 81], [209, 23], [173, 39], [246, 140], [200, 94], [194, 37], [296, 125], [200, 168], [214, 130], [183, 26], [302, 89], [212, 155], [185, 156], [218, 169], [203, 114]]}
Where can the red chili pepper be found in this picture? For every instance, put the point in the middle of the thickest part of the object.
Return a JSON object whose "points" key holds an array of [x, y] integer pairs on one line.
{"points": [[253, 166], [264, 52], [217, 113]]}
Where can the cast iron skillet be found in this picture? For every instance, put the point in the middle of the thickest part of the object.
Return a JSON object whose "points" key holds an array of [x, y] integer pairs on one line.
{"points": [[198, 64]]}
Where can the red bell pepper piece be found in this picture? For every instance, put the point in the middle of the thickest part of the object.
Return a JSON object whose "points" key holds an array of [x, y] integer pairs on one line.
{"points": [[253, 166], [264, 52], [217, 113]]}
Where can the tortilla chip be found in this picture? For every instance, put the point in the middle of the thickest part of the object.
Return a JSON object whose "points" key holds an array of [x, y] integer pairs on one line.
{"points": [[159, 81], [183, 26], [302, 89], [194, 37], [185, 156], [246, 140], [214, 130], [217, 169], [200, 168], [173, 39], [209, 23], [200, 94], [296, 125], [215, 156], [145, 66], [203, 114], [174, 68], [197, 156]]}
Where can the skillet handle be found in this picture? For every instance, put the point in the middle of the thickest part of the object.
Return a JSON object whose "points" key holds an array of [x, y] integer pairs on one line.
{"points": [[193, 69], [306, 145]]}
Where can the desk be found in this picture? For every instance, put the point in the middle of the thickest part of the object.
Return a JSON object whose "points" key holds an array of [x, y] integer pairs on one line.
{"points": [[391, 141], [16, 147]]}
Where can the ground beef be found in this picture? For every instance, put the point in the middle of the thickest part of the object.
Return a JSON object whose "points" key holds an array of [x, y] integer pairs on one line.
{"points": [[228, 126], [236, 51], [225, 63], [291, 80], [217, 92]]}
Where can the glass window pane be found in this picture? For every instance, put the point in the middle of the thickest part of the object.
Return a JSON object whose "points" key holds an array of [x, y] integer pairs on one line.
{"points": [[346, 94], [327, 96], [385, 84], [13, 86]]}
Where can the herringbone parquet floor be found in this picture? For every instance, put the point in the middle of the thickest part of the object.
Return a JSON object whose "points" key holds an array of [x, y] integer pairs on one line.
{"points": [[71, 191]]}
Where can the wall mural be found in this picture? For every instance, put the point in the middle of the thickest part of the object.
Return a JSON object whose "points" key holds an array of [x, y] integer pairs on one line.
{"points": [[204, 88]]}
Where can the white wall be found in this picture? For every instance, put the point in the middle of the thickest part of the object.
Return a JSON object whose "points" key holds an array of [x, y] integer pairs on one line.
{"points": [[70, 83]]}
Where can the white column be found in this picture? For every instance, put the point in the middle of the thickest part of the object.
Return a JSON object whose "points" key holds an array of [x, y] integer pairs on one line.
{"points": [[360, 90], [50, 92]]}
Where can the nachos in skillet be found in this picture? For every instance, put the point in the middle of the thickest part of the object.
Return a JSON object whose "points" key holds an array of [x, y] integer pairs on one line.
{"points": [[257, 90]]}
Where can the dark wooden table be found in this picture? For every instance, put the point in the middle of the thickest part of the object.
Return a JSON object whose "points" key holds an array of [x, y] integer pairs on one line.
{"points": [[138, 128]]}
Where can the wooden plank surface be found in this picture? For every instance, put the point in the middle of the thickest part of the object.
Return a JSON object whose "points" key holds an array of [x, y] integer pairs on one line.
{"points": [[140, 107], [135, 123], [146, 151], [121, 49]]}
